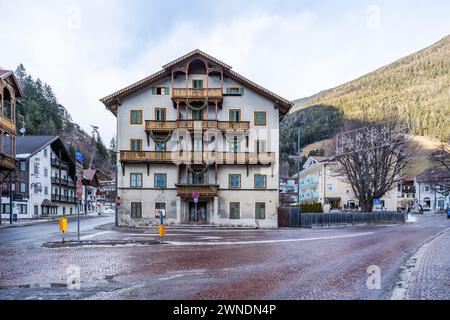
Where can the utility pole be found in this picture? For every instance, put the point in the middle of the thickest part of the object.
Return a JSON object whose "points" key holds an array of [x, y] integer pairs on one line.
{"points": [[299, 159]]}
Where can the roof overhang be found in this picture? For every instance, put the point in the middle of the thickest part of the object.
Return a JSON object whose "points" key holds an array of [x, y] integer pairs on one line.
{"points": [[113, 101], [10, 75]]}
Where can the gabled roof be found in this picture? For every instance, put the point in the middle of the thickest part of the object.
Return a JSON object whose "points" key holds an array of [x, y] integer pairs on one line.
{"points": [[4, 74], [29, 145], [435, 174], [109, 101]]}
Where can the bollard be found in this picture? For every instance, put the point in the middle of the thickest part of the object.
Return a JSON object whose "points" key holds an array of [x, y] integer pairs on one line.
{"points": [[63, 226]]}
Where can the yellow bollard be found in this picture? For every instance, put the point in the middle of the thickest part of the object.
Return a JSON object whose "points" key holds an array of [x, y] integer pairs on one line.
{"points": [[162, 230], [63, 226]]}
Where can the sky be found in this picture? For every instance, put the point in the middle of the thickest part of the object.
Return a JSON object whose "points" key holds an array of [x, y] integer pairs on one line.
{"points": [[87, 49]]}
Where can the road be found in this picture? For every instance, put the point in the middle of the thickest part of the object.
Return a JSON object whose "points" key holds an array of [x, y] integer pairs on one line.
{"points": [[229, 264]]}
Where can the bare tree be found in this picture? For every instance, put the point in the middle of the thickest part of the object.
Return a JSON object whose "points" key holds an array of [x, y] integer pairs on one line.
{"points": [[440, 176], [372, 159]]}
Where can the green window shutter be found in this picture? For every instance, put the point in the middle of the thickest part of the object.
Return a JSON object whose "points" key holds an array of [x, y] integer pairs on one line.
{"points": [[241, 91], [153, 90], [167, 91], [227, 90]]}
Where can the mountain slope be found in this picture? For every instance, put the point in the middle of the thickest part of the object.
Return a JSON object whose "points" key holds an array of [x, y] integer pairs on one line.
{"points": [[417, 87]]}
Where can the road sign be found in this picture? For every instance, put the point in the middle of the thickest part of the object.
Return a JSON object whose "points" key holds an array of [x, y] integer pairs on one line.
{"points": [[195, 195], [195, 200], [376, 202], [118, 201], [79, 189], [159, 213]]}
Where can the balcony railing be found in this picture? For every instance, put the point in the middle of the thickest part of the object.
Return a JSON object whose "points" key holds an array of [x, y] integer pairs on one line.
{"points": [[7, 162], [169, 126], [205, 191], [63, 198], [64, 182], [250, 158], [57, 163], [197, 93], [7, 125]]}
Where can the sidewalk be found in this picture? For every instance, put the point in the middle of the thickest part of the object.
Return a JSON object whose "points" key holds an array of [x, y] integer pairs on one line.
{"points": [[30, 222]]}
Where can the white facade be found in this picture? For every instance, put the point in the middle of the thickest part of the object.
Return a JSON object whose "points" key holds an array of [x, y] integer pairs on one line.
{"points": [[430, 199], [244, 200], [320, 184]]}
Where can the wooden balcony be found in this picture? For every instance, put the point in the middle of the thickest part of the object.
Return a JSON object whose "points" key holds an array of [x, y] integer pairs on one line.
{"points": [[205, 191], [197, 94], [221, 158], [160, 126], [7, 163], [195, 125], [7, 125]]}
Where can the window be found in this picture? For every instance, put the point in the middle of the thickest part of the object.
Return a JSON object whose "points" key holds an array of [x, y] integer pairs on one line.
{"points": [[36, 168], [136, 144], [235, 146], [160, 114], [235, 115], [261, 146], [235, 210], [64, 211], [5, 208], [136, 210], [136, 117], [197, 84], [260, 181], [136, 180], [45, 153], [22, 166], [234, 91], [197, 115], [235, 181], [260, 118], [71, 211], [260, 211], [13, 187], [23, 187], [46, 190], [427, 188], [198, 145], [36, 210], [160, 147], [160, 180], [161, 91], [45, 172]]}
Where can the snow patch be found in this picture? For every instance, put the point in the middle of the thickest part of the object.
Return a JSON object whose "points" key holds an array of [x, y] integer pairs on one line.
{"points": [[411, 219]]}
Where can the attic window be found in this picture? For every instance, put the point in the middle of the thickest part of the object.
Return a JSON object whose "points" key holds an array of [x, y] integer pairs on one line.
{"points": [[160, 91], [234, 91]]}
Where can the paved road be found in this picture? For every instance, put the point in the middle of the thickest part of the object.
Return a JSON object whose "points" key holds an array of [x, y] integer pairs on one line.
{"points": [[223, 264]]}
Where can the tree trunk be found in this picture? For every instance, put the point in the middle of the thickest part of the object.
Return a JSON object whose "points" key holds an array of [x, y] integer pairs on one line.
{"points": [[366, 206]]}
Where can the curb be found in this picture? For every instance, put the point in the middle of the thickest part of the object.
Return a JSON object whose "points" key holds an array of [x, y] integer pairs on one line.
{"points": [[109, 243]]}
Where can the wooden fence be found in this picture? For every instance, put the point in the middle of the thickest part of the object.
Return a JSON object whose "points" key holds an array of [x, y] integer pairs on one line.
{"points": [[290, 217]]}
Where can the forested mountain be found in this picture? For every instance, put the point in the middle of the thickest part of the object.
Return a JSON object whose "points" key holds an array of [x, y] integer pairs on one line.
{"points": [[38, 111], [416, 87]]}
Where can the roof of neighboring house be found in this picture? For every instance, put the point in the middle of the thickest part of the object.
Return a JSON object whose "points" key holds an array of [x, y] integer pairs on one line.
{"points": [[6, 74], [29, 145], [89, 174], [433, 175], [109, 101]]}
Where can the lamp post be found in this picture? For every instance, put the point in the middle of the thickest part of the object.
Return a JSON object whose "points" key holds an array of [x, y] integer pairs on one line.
{"points": [[298, 158]]}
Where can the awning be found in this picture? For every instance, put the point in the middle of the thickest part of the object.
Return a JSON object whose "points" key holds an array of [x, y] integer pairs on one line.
{"points": [[48, 203]]}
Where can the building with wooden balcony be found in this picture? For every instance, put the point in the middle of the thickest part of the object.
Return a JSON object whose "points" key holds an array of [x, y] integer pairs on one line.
{"points": [[198, 127], [43, 183]]}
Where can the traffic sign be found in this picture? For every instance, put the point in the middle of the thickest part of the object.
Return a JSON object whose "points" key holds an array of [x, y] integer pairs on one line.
{"points": [[196, 195], [118, 201], [159, 213], [79, 189], [195, 200]]}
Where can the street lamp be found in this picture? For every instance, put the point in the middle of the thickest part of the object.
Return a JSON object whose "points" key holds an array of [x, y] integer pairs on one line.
{"points": [[298, 158]]}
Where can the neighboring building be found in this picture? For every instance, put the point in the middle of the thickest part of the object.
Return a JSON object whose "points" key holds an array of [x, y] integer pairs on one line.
{"points": [[288, 192], [9, 93], [320, 184], [231, 160], [44, 183], [430, 197], [406, 194], [90, 188], [107, 192]]}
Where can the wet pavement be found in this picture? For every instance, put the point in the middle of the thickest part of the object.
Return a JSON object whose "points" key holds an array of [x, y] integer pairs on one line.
{"points": [[197, 263]]}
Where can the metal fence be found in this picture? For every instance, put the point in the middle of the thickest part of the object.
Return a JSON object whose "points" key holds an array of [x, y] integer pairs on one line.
{"points": [[290, 217]]}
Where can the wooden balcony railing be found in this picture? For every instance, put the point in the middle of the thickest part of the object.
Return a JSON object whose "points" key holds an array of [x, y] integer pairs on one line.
{"points": [[160, 126], [205, 191], [6, 162], [197, 93], [169, 126], [7, 125], [250, 158]]}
